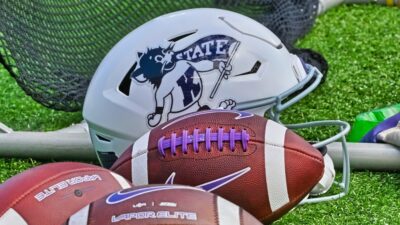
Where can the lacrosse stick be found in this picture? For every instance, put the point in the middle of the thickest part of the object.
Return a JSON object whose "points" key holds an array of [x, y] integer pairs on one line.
{"points": [[370, 156], [380, 2], [325, 5], [71, 143]]}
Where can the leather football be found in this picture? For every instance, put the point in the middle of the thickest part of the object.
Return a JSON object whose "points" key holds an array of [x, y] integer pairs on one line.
{"points": [[253, 162], [48, 194], [162, 205]]}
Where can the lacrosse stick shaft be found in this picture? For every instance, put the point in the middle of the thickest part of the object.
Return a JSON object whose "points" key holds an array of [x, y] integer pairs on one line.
{"points": [[381, 2], [367, 156], [47, 145], [325, 5]]}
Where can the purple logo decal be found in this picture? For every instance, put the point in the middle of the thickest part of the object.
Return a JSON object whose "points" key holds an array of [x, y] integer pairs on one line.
{"points": [[217, 183], [121, 196], [241, 115]]}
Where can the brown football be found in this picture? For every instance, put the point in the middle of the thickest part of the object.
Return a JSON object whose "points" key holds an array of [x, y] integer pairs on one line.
{"points": [[50, 193], [162, 205], [253, 162]]}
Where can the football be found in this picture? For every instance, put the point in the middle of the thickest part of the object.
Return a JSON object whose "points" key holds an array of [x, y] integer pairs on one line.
{"points": [[48, 194], [253, 162], [162, 204]]}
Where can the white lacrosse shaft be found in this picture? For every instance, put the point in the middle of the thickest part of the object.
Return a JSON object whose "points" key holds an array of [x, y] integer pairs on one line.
{"points": [[381, 2], [71, 143], [369, 156], [325, 5]]}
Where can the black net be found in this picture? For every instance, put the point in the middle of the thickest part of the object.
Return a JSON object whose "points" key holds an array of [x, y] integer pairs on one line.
{"points": [[52, 48]]}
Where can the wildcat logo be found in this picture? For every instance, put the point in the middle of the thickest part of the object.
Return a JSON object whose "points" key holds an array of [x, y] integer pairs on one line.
{"points": [[176, 74]]}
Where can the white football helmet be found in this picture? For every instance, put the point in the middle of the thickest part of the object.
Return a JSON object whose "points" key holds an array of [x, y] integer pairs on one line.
{"points": [[187, 61]]}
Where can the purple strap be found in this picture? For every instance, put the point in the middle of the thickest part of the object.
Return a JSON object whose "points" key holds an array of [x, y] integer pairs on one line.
{"points": [[184, 141], [208, 139], [220, 136], [390, 122], [196, 140], [245, 139], [232, 139], [160, 146], [173, 143]]}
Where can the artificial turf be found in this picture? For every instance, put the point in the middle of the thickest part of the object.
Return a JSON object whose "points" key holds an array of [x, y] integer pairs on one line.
{"points": [[361, 46], [360, 43], [21, 113]]}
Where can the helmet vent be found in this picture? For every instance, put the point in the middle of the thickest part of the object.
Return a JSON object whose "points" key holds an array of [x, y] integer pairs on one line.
{"points": [[125, 85], [278, 46], [177, 38], [101, 138], [253, 70]]}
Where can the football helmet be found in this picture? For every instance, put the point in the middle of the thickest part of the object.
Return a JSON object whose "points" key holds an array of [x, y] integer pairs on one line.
{"points": [[187, 61]]}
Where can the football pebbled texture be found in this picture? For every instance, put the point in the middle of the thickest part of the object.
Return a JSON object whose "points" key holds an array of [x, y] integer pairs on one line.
{"points": [[162, 205], [253, 162], [48, 194]]}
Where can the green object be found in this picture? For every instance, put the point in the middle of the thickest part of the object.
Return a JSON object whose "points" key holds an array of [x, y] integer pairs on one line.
{"points": [[366, 121]]}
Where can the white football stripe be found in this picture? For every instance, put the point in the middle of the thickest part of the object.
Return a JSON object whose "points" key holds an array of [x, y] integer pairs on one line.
{"points": [[122, 181], [12, 217], [139, 161], [274, 155], [80, 217], [228, 213]]}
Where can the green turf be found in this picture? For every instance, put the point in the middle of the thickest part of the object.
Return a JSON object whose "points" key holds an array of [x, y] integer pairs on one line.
{"points": [[361, 46], [20, 112]]}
